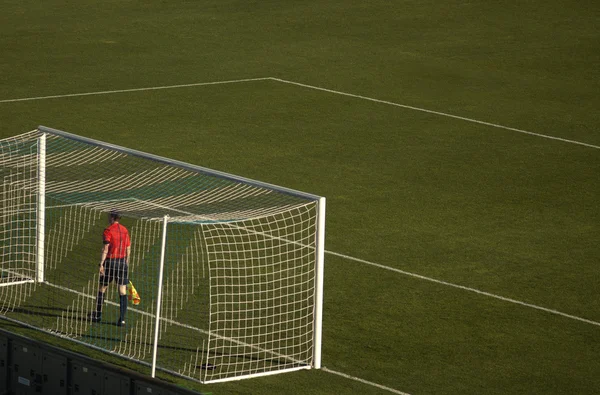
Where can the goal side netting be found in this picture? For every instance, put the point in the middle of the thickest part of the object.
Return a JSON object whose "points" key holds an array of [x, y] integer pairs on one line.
{"points": [[228, 270]]}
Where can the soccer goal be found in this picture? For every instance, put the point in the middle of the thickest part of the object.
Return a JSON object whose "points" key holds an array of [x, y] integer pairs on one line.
{"points": [[229, 270]]}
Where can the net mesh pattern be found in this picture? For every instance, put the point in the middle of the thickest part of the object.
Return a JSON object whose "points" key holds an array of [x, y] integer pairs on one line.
{"points": [[239, 267]]}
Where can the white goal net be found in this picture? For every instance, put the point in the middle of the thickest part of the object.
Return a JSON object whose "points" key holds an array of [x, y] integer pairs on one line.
{"points": [[228, 270]]}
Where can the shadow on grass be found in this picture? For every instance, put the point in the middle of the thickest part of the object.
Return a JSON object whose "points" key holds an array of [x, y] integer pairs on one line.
{"points": [[94, 339], [39, 311]]}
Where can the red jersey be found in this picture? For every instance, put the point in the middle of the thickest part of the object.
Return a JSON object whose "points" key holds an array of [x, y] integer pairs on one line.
{"points": [[117, 236]]}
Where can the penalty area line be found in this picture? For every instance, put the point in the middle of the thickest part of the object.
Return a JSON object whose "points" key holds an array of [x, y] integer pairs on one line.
{"points": [[474, 290], [443, 114], [347, 376], [151, 88]]}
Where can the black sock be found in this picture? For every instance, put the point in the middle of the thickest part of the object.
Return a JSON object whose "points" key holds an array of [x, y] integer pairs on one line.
{"points": [[123, 303], [99, 302]]}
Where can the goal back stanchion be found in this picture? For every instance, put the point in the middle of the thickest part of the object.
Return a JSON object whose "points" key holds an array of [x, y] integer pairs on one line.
{"points": [[231, 284]]}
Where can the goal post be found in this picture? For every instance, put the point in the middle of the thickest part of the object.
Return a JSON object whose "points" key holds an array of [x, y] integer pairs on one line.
{"points": [[229, 270], [319, 276], [41, 207], [161, 268]]}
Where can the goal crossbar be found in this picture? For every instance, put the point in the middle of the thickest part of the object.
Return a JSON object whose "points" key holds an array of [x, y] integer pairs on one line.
{"points": [[173, 162]]}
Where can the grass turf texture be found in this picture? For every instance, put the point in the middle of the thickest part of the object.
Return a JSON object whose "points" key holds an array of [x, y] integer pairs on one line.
{"points": [[492, 209]]}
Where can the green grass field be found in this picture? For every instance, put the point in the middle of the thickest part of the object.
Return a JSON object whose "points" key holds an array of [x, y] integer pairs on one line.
{"points": [[495, 210]]}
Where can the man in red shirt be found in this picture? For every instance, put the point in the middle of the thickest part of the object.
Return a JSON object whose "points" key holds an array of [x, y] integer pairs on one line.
{"points": [[114, 265]]}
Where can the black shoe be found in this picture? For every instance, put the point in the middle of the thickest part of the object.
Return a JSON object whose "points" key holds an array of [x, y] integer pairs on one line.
{"points": [[95, 317], [121, 323]]}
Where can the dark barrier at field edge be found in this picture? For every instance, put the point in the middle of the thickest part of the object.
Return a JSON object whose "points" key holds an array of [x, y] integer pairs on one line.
{"points": [[32, 367]]}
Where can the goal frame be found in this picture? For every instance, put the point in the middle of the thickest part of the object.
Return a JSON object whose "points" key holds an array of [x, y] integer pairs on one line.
{"points": [[320, 231]]}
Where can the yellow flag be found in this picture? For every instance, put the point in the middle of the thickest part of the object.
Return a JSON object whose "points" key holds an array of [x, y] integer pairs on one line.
{"points": [[132, 294]]}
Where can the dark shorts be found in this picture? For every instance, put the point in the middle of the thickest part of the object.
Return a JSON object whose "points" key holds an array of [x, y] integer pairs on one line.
{"points": [[117, 270]]}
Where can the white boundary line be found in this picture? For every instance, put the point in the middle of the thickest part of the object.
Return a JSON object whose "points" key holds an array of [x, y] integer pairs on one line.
{"points": [[443, 114], [433, 280], [347, 376], [151, 88]]}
